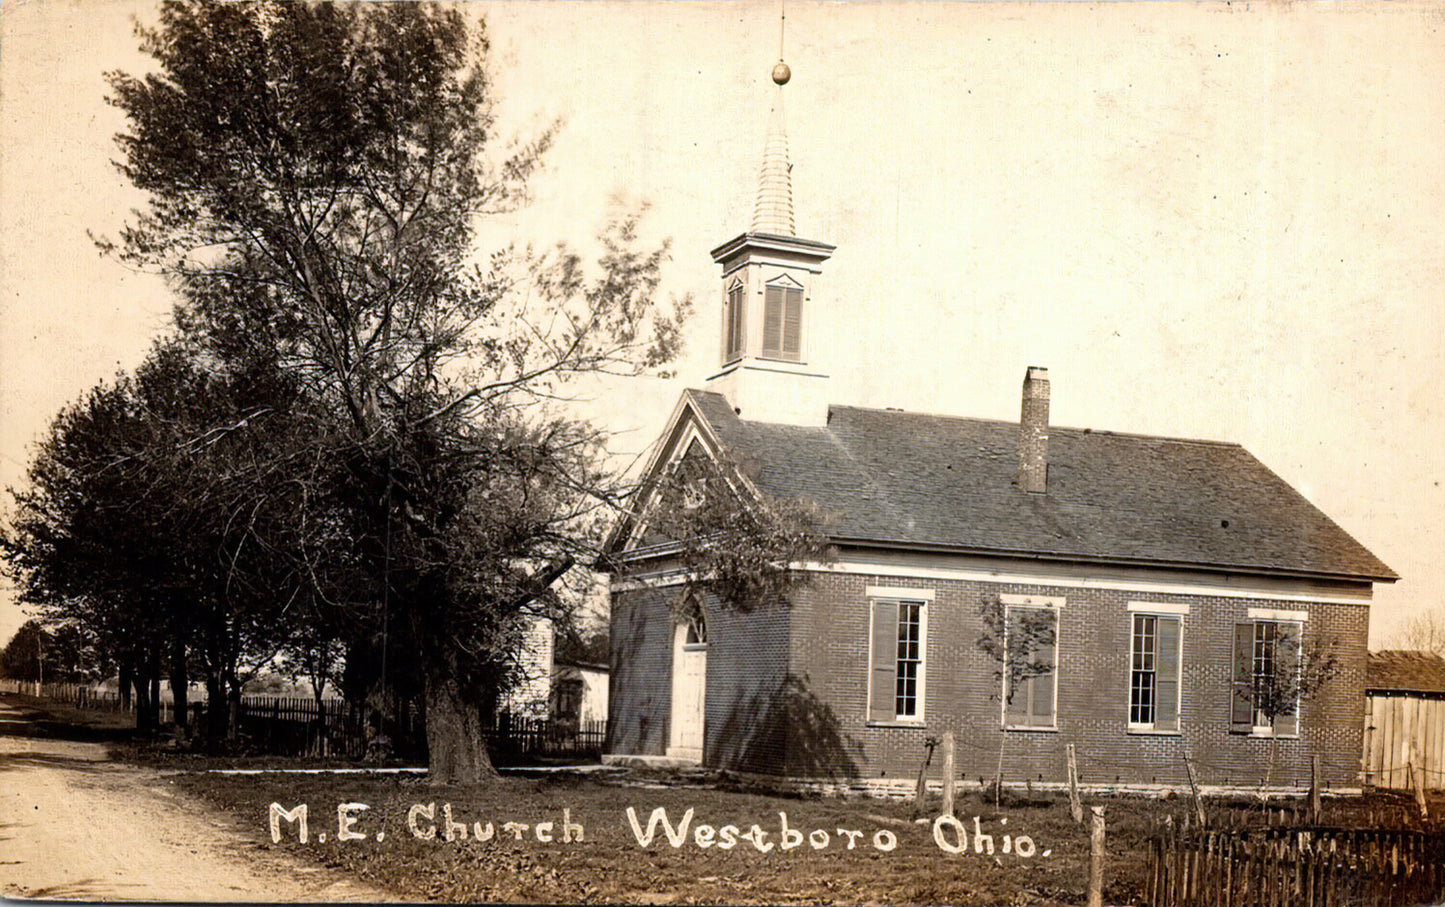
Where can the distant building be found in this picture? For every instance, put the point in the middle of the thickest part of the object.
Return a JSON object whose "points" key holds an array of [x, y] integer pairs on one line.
{"points": [[564, 690], [1405, 719], [1170, 574]]}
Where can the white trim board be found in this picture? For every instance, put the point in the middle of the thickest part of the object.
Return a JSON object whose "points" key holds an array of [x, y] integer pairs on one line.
{"points": [[1141, 586], [1144, 587]]}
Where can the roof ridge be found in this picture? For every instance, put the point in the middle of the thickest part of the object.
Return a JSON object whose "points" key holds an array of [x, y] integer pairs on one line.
{"points": [[1052, 428]]}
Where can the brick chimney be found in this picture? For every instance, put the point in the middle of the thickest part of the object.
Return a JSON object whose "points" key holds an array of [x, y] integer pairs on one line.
{"points": [[1034, 432]]}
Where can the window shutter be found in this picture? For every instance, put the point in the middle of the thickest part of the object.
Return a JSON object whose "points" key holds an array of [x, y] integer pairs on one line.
{"points": [[1166, 674], [883, 673], [1241, 715], [793, 324], [773, 322], [733, 342]]}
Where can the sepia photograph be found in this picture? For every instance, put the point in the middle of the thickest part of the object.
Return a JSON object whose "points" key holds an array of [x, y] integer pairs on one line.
{"points": [[774, 451]]}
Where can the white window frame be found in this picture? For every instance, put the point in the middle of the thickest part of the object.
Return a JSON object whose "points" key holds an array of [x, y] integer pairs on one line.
{"points": [[1035, 602], [1165, 611], [900, 596], [1297, 619]]}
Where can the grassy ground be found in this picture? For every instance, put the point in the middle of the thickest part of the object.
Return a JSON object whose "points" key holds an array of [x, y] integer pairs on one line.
{"points": [[892, 859], [610, 864]]}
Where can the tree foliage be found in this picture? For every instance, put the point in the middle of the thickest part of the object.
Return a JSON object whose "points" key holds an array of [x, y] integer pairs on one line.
{"points": [[1297, 669], [155, 514], [1016, 640], [740, 544], [62, 654], [350, 447], [316, 174]]}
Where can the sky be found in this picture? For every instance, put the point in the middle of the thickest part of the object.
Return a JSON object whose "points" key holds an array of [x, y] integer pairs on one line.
{"points": [[1207, 220]]}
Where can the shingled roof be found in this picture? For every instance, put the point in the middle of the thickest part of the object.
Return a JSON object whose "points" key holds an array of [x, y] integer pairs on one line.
{"points": [[937, 482], [1405, 671]]}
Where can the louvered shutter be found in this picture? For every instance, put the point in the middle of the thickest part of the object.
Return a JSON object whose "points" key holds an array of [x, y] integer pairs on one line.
{"points": [[1166, 674], [773, 322], [733, 343], [883, 674], [1241, 715], [793, 324]]}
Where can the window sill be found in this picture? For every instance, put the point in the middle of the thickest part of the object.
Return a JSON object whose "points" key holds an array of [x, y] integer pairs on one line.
{"points": [[1031, 729], [1141, 731], [904, 723], [1264, 735]]}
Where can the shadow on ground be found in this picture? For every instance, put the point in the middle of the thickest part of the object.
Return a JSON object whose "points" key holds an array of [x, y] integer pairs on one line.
{"points": [[14, 761], [21, 717]]}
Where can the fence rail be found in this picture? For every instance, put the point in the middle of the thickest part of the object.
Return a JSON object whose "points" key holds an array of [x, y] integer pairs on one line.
{"points": [[1306, 866], [299, 726]]}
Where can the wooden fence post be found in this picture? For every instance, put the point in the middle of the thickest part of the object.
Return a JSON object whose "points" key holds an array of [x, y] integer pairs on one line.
{"points": [[1418, 779], [1096, 857], [1194, 791], [1315, 789], [949, 775], [1076, 808]]}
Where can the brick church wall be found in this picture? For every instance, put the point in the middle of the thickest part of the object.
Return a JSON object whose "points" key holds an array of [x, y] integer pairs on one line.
{"points": [[787, 689], [830, 650], [640, 680]]}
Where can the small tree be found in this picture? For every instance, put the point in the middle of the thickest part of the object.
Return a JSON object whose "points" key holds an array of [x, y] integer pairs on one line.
{"points": [[1425, 631], [1020, 642], [740, 544], [1290, 671]]}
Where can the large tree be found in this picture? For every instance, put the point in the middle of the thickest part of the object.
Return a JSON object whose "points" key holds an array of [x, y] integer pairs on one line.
{"points": [[160, 516], [316, 175]]}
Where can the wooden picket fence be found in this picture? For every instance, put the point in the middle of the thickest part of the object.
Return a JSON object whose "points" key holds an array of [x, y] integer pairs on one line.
{"points": [[546, 736], [298, 726], [1278, 865]]}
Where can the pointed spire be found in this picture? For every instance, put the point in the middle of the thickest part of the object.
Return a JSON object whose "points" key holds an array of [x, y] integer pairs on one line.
{"points": [[774, 210]]}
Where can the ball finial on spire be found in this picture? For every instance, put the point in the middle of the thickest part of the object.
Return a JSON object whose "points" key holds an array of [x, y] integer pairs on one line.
{"points": [[781, 73]]}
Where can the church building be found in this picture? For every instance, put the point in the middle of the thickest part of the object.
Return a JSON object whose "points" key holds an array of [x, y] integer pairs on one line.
{"points": [[1153, 599]]}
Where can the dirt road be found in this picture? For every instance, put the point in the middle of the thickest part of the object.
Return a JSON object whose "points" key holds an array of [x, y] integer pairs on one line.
{"points": [[74, 826]]}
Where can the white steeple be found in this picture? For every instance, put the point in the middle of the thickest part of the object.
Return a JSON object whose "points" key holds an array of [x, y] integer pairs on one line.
{"points": [[773, 212], [770, 318]]}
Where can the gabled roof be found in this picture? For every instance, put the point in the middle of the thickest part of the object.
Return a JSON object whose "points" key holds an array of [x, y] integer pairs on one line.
{"points": [[943, 483], [1405, 671]]}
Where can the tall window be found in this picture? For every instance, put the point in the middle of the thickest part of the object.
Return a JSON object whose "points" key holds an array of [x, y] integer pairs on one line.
{"points": [[733, 337], [783, 321], [1154, 673], [696, 637], [1031, 675], [896, 679], [1266, 678]]}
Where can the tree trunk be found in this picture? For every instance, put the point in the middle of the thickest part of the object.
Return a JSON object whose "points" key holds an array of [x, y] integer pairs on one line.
{"points": [[215, 711], [233, 704], [179, 680], [145, 716], [457, 753], [125, 679]]}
